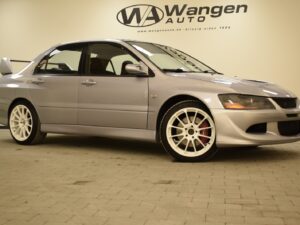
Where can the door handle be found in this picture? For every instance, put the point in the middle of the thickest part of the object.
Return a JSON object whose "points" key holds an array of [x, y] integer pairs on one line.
{"points": [[37, 81], [88, 82]]}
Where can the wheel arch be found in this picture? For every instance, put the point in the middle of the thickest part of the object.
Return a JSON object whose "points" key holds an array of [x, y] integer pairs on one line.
{"points": [[172, 101], [16, 100]]}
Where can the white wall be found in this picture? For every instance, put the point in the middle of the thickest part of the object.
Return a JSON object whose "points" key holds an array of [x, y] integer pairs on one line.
{"points": [[261, 44]]}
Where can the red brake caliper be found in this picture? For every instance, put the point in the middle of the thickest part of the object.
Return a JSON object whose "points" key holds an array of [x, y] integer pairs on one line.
{"points": [[204, 132]]}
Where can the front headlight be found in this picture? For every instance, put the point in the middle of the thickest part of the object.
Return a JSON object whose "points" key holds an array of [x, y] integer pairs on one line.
{"points": [[245, 102]]}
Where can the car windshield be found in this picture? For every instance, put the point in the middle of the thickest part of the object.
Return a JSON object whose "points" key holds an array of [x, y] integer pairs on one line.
{"points": [[169, 59]]}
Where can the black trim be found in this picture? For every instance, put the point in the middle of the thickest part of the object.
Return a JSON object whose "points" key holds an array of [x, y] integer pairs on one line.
{"points": [[82, 60], [286, 103], [21, 61], [289, 128], [260, 128], [292, 115]]}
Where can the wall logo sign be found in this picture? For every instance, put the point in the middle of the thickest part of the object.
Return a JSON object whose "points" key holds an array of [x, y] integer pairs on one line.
{"points": [[140, 15], [144, 15]]}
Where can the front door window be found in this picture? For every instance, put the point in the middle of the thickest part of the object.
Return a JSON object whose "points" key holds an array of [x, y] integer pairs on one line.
{"points": [[108, 60]]}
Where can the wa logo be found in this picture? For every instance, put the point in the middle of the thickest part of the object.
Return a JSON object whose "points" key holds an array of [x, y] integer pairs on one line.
{"points": [[140, 15]]}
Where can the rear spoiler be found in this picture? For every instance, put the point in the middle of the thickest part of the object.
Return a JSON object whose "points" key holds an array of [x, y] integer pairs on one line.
{"points": [[6, 67], [21, 61]]}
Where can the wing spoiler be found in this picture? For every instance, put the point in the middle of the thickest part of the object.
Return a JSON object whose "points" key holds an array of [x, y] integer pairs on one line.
{"points": [[6, 67]]}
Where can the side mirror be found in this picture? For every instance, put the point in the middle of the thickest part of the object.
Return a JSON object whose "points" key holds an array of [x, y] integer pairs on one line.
{"points": [[136, 69], [5, 66]]}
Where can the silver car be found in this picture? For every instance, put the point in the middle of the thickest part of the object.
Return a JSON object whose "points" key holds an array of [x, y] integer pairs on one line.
{"points": [[141, 90]]}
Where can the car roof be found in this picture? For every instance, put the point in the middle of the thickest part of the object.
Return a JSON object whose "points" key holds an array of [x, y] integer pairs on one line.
{"points": [[98, 40]]}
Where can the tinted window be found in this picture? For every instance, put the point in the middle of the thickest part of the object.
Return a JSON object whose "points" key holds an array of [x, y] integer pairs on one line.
{"points": [[108, 59], [64, 60]]}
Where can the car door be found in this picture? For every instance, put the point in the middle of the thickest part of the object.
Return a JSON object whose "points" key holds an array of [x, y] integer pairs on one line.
{"points": [[55, 90], [108, 96]]}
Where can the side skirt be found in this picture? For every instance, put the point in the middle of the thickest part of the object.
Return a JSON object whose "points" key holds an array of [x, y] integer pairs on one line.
{"points": [[124, 133]]}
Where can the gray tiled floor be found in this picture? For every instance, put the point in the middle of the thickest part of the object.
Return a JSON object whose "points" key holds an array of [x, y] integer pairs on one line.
{"points": [[84, 180]]}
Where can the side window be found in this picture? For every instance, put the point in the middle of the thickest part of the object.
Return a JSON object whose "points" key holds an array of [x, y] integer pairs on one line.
{"points": [[108, 59], [63, 60]]}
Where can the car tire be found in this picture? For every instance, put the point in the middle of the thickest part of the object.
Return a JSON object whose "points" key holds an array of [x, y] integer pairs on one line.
{"points": [[24, 124], [188, 132]]}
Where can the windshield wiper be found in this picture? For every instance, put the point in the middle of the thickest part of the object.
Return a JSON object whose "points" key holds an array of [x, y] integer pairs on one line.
{"points": [[175, 70], [211, 72], [179, 70]]}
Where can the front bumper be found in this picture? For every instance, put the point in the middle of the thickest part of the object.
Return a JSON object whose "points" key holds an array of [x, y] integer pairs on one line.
{"points": [[232, 126]]}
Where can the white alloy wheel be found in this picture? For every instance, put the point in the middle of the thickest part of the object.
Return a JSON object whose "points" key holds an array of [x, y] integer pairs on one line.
{"points": [[21, 122], [191, 132]]}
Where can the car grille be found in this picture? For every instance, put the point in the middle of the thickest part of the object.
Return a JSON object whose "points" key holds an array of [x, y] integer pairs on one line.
{"points": [[289, 128], [286, 103]]}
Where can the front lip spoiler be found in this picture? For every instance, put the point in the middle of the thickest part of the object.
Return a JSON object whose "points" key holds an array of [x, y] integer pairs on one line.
{"points": [[254, 140]]}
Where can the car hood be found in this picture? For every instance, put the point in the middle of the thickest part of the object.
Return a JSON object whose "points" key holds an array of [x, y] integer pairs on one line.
{"points": [[238, 85]]}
